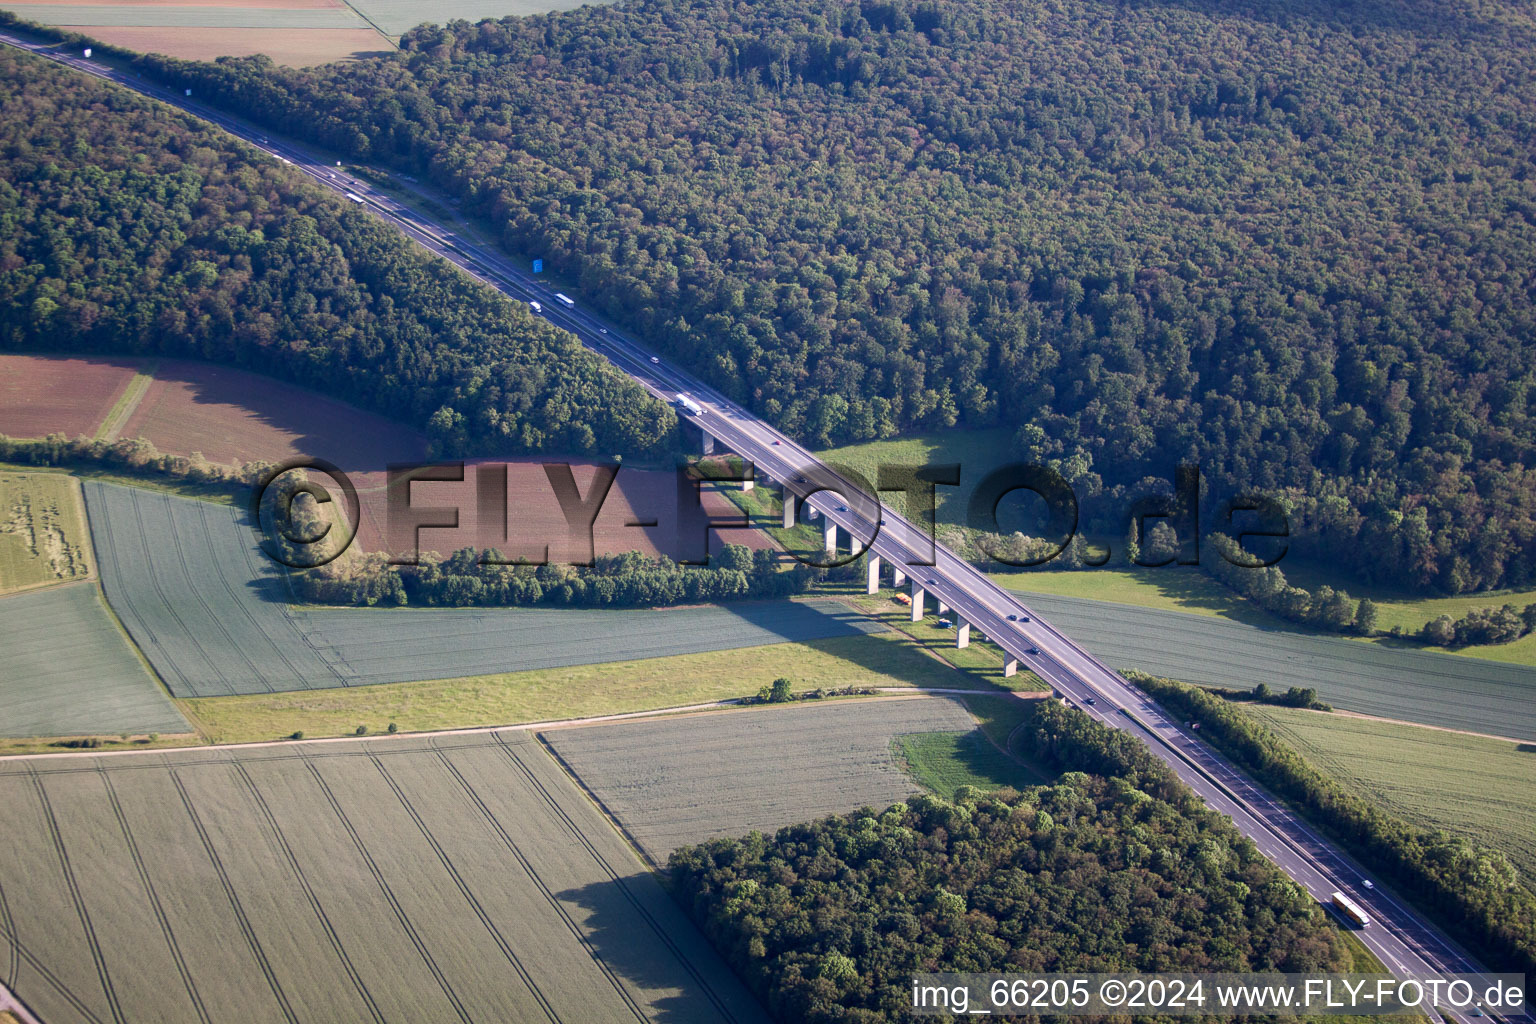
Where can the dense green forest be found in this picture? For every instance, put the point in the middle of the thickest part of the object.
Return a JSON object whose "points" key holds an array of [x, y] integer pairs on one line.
{"points": [[1295, 241], [1474, 893], [1124, 870], [130, 228]]}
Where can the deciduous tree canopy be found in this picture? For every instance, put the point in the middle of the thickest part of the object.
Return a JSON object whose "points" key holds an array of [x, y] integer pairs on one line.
{"points": [[130, 228], [1293, 240]]}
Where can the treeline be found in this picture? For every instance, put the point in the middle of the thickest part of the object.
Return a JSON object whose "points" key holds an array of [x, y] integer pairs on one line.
{"points": [[131, 228], [1480, 626], [827, 921], [630, 580], [1326, 608], [132, 456], [1475, 894], [1133, 246]]}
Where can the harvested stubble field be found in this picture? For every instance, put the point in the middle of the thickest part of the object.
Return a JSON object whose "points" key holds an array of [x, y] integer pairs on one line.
{"points": [[209, 611], [67, 670], [462, 878], [42, 531], [727, 773], [41, 395], [1473, 786], [1416, 686]]}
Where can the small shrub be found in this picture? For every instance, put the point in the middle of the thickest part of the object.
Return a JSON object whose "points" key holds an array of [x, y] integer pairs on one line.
{"points": [[362, 730], [297, 734], [393, 727]]}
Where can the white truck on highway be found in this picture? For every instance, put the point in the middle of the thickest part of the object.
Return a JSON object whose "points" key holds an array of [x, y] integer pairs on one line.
{"points": [[684, 402], [537, 309], [1350, 910], [569, 302]]}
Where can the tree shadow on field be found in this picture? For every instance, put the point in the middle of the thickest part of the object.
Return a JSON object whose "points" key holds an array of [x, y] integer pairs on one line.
{"points": [[1526, 748], [647, 941]]}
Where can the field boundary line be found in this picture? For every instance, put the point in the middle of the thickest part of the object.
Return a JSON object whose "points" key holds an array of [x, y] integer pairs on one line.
{"points": [[246, 928], [391, 40], [597, 802], [127, 404], [660, 932], [726, 704]]}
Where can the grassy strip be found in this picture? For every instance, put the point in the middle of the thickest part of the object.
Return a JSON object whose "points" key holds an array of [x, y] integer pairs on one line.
{"points": [[117, 417], [882, 659]]}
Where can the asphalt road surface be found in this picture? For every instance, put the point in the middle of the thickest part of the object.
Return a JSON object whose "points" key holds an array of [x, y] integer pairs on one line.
{"points": [[1404, 940]]}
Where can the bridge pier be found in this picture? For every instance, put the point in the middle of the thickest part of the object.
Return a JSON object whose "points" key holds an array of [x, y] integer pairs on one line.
{"points": [[962, 633], [873, 585], [918, 593], [707, 445], [1010, 667], [789, 508], [942, 606], [747, 484], [829, 533], [897, 577]]}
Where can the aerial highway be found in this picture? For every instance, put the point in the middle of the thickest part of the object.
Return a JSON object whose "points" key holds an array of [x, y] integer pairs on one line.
{"points": [[1401, 937]]}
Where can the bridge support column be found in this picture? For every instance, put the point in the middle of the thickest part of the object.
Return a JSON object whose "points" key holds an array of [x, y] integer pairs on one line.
{"points": [[873, 586], [918, 593], [942, 607], [897, 577], [708, 444], [747, 485], [829, 532], [789, 508], [1010, 668], [962, 633]]}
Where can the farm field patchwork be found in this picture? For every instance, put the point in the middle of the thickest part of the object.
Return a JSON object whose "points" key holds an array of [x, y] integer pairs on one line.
{"points": [[68, 670], [461, 878], [885, 659], [671, 782], [1416, 686], [209, 611], [1472, 786], [42, 531]]}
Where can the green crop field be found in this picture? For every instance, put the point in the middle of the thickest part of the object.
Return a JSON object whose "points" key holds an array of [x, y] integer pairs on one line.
{"points": [[462, 878], [1481, 788], [210, 613], [578, 691], [42, 534], [67, 670], [727, 773], [1416, 686]]}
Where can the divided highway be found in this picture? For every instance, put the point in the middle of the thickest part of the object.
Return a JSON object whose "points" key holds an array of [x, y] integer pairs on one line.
{"points": [[1401, 937]]}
